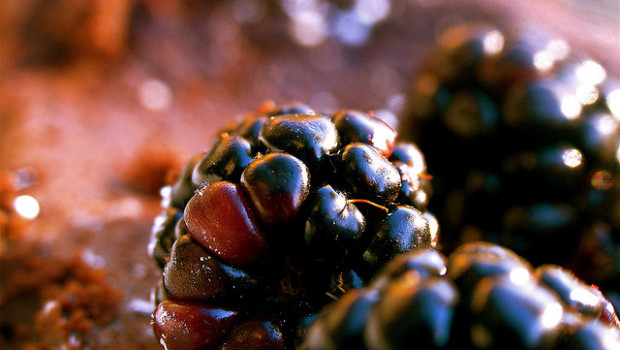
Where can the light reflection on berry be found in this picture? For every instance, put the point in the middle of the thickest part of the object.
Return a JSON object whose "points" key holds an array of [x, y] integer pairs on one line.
{"points": [[601, 180], [584, 296], [587, 94], [605, 124], [519, 276], [613, 102], [558, 48], [591, 73], [493, 42], [572, 158], [570, 106], [552, 315], [543, 60]]}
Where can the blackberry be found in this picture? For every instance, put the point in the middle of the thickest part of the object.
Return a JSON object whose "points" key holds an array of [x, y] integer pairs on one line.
{"points": [[481, 296], [290, 209], [522, 136]]}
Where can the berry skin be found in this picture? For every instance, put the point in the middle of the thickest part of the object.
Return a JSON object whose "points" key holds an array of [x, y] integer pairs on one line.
{"points": [[308, 137], [355, 126], [220, 218], [405, 229], [594, 335], [460, 51], [415, 186], [471, 263], [481, 296], [411, 311], [254, 334], [369, 175], [571, 290], [427, 263], [183, 189], [193, 273], [277, 185], [288, 211], [343, 326], [185, 325], [334, 225], [163, 236], [521, 135], [225, 161], [515, 315], [250, 127], [409, 154]]}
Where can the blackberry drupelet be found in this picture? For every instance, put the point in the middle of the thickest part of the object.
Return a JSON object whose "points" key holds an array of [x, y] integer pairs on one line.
{"points": [[482, 296], [288, 210], [522, 138]]}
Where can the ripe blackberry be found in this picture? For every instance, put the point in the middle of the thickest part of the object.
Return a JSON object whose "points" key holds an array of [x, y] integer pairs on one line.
{"points": [[289, 210], [482, 296], [522, 136]]}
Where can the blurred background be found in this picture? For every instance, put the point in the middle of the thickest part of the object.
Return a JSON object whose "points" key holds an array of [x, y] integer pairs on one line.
{"points": [[103, 101]]}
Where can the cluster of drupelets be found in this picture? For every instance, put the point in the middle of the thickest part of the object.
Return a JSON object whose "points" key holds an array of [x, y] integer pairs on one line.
{"points": [[293, 208]]}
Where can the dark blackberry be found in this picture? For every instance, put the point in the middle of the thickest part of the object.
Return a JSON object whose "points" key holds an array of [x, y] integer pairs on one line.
{"points": [[289, 210], [523, 141], [230, 155], [482, 296]]}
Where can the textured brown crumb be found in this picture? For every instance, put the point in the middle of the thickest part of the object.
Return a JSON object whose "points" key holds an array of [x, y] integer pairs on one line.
{"points": [[153, 166], [48, 300]]}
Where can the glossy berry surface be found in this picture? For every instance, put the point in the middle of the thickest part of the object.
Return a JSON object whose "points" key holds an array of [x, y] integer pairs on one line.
{"points": [[369, 175], [334, 225], [277, 186], [288, 211], [522, 136], [482, 296], [220, 218], [355, 126], [226, 161], [186, 325]]}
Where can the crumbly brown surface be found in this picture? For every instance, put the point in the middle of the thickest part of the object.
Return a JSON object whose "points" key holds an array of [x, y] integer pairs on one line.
{"points": [[87, 287], [102, 100], [49, 299]]}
